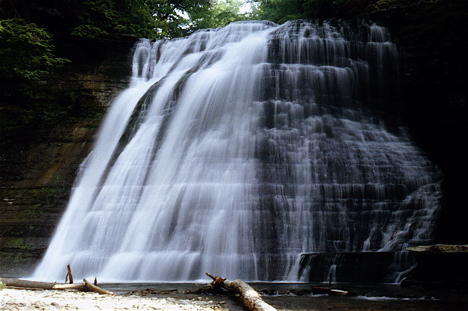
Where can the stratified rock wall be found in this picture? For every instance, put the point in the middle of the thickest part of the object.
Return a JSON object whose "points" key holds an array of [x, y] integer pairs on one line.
{"points": [[439, 266], [36, 177]]}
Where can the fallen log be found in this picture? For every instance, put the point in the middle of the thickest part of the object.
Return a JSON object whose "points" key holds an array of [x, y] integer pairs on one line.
{"points": [[251, 298], [38, 285], [26, 284], [97, 289]]}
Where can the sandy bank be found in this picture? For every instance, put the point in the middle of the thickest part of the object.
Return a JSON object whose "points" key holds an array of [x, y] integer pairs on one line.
{"points": [[14, 299]]}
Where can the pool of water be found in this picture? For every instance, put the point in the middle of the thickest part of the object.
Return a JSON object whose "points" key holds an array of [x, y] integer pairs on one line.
{"points": [[298, 296]]}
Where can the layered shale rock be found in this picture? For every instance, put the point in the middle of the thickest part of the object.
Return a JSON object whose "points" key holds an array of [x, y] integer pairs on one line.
{"points": [[36, 177]]}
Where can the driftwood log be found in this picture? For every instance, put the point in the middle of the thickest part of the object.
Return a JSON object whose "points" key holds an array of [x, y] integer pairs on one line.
{"points": [[97, 289], [84, 287], [250, 297]]}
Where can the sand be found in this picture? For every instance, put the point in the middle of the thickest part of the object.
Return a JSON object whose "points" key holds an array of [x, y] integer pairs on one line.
{"points": [[18, 299]]}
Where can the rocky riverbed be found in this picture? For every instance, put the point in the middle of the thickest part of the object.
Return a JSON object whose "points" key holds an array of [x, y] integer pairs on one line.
{"points": [[284, 297]]}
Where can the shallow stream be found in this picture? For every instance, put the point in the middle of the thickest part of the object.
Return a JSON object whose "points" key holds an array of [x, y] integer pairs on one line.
{"points": [[297, 296]]}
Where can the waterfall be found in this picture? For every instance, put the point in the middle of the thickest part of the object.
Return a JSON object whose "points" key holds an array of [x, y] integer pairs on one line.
{"points": [[234, 151]]}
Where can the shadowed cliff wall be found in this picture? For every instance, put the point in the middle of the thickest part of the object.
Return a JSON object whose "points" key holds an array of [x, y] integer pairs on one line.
{"points": [[37, 174]]}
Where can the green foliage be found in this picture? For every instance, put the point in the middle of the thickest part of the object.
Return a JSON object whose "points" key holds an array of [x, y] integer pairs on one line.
{"points": [[27, 51], [100, 17], [219, 14], [27, 63], [173, 18], [152, 18], [283, 10], [280, 11], [179, 18], [141, 18]]}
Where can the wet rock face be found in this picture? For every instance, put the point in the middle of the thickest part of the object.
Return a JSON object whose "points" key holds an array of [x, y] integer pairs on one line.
{"points": [[439, 249], [36, 177], [35, 192], [439, 265]]}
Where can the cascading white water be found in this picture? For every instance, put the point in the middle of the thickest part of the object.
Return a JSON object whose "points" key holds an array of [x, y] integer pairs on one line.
{"points": [[235, 150]]}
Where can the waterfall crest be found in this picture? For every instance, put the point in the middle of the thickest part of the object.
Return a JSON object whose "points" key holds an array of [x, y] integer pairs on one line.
{"points": [[235, 150]]}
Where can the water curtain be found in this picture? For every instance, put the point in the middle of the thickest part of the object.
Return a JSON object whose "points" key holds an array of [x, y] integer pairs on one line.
{"points": [[234, 151]]}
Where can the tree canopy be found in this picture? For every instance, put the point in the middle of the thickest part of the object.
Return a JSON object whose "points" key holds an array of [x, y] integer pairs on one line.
{"points": [[280, 11], [27, 61], [141, 18]]}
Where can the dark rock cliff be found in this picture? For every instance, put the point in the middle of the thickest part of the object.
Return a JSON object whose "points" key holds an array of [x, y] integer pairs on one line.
{"points": [[433, 105], [36, 175]]}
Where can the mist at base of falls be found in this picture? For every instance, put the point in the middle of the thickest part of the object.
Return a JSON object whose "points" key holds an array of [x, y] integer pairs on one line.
{"points": [[236, 150]]}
